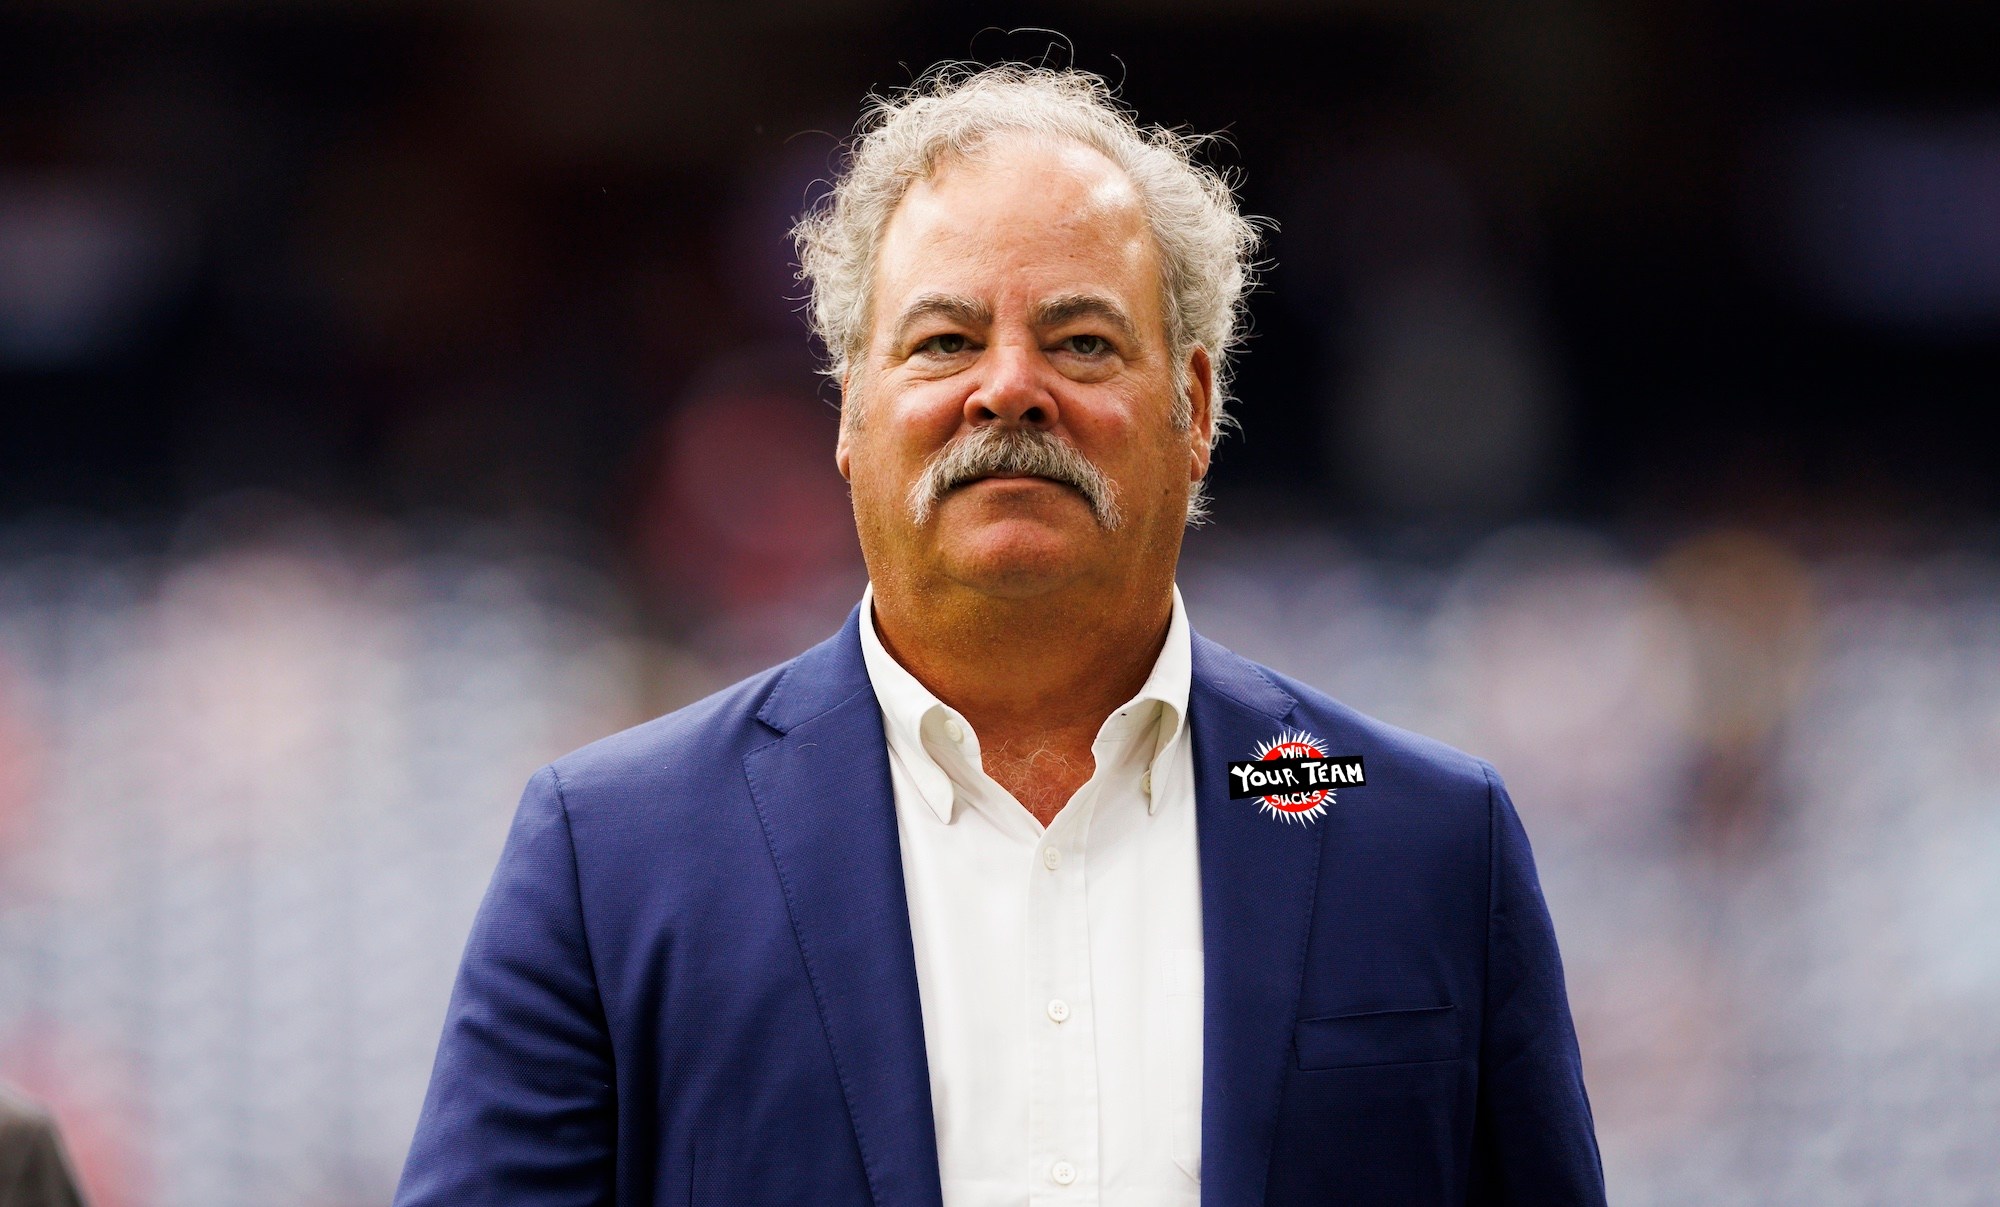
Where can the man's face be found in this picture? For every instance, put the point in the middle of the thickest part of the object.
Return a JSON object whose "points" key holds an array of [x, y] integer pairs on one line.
{"points": [[1021, 292]]}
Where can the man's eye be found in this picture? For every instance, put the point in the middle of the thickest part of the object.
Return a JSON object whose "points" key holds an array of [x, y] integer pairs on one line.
{"points": [[943, 345], [1087, 345]]}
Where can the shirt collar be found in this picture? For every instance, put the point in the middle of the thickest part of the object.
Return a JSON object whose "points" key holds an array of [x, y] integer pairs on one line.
{"points": [[908, 707], [1173, 675]]}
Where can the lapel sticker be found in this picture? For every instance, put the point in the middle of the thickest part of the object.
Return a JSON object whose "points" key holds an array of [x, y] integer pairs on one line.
{"points": [[1293, 778]]}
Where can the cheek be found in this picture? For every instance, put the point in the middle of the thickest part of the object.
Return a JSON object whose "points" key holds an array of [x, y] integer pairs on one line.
{"points": [[888, 448], [931, 400], [1130, 429], [877, 494], [868, 463], [910, 423]]}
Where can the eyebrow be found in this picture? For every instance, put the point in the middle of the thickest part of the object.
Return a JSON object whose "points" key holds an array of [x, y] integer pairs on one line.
{"points": [[969, 312], [1072, 306]]}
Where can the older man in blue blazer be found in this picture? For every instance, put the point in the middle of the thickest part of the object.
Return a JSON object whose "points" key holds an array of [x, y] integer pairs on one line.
{"points": [[1016, 890]]}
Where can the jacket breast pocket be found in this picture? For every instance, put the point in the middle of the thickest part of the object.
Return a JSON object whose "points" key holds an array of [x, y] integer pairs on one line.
{"points": [[1380, 1037]]}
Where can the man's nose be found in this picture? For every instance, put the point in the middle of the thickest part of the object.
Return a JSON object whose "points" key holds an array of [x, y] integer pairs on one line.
{"points": [[1013, 389]]}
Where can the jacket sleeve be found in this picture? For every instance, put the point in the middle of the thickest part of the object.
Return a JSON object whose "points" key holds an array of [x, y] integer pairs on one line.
{"points": [[521, 1107], [1533, 1139]]}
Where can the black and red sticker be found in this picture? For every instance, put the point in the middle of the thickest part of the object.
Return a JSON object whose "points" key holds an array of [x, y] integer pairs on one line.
{"points": [[1293, 777]]}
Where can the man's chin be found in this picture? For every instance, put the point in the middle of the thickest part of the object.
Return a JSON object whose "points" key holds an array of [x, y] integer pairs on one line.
{"points": [[1017, 556]]}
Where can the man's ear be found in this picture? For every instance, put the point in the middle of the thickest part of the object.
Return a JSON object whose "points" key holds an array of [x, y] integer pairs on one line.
{"points": [[840, 450], [1201, 412]]}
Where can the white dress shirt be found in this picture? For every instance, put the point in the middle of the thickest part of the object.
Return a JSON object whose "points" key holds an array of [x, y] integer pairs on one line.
{"points": [[1059, 969]]}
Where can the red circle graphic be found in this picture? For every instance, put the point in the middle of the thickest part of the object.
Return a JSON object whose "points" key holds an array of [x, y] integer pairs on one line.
{"points": [[1298, 802]]}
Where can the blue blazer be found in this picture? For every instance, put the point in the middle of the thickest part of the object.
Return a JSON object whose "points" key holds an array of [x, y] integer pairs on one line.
{"points": [[692, 979]]}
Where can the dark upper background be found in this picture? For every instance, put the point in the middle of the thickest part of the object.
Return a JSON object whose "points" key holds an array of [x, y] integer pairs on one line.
{"points": [[1607, 262]]}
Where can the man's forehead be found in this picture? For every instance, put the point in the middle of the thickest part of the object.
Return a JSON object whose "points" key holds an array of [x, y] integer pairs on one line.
{"points": [[1043, 222]]}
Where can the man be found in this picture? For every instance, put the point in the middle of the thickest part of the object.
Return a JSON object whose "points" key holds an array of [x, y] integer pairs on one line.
{"points": [[1014, 891]]}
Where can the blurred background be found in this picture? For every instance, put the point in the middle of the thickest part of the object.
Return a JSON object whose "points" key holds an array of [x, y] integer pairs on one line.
{"points": [[394, 395]]}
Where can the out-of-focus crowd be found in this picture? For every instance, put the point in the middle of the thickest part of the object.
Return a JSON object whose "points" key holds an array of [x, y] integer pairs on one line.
{"points": [[253, 779]]}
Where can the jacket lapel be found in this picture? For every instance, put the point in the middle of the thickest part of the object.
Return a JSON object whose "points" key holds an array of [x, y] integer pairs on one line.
{"points": [[1258, 881], [823, 796]]}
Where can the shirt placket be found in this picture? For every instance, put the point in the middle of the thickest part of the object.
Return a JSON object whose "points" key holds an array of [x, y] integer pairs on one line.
{"points": [[1061, 1017]]}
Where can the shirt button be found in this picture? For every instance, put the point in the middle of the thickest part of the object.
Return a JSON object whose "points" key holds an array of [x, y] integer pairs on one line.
{"points": [[1051, 858], [1146, 783], [1063, 1172], [954, 731], [1058, 1009]]}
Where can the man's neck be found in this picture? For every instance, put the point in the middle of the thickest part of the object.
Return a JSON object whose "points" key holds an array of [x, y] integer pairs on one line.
{"points": [[1035, 678]]}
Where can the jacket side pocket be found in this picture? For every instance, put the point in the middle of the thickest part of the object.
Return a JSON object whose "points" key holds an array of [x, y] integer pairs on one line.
{"points": [[1379, 1037]]}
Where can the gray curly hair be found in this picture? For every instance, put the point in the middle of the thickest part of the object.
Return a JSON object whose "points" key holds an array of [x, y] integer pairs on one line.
{"points": [[951, 112]]}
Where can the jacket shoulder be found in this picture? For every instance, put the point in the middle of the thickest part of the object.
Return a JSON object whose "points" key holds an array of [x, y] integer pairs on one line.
{"points": [[687, 744], [1412, 754]]}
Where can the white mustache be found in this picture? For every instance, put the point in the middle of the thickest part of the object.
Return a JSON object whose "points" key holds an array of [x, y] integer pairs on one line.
{"points": [[1014, 450]]}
